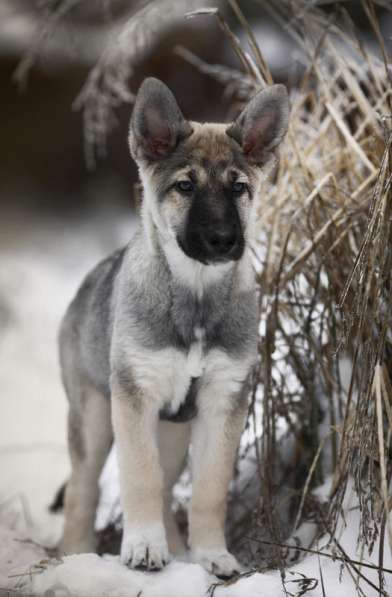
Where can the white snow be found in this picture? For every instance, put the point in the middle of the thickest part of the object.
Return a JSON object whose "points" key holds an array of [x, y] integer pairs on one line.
{"points": [[37, 280], [88, 575]]}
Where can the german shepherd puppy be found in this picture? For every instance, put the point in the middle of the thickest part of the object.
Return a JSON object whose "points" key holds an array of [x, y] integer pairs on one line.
{"points": [[159, 342]]}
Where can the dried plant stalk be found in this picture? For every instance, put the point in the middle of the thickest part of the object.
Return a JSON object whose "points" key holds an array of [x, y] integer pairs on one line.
{"points": [[325, 258]]}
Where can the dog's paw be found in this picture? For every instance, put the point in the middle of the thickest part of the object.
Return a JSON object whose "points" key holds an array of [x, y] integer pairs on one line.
{"points": [[220, 563], [144, 549]]}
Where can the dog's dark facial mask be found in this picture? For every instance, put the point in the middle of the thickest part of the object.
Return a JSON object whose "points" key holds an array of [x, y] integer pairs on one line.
{"points": [[200, 178]]}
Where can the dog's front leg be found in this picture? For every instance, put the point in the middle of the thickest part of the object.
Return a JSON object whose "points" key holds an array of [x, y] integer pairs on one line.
{"points": [[135, 421], [215, 438]]}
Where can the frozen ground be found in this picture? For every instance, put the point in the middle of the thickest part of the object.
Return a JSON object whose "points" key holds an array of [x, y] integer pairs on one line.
{"points": [[39, 271]]}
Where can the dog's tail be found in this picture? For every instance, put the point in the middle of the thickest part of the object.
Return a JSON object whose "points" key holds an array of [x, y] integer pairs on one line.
{"points": [[58, 500]]}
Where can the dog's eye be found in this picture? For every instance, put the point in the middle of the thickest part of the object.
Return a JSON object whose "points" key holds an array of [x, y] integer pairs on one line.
{"points": [[238, 188], [184, 186]]}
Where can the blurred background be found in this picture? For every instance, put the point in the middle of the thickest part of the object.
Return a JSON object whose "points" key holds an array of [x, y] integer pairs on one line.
{"points": [[43, 168], [61, 210]]}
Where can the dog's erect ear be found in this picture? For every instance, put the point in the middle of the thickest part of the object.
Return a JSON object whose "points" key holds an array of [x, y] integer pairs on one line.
{"points": [[262, 124], [157, 124]]}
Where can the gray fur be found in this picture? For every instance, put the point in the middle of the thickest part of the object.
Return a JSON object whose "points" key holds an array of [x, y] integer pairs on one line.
{"points": [[86, 331], [161, 312], [154, 309], [167, 328], [261, 126], [157, 123]]}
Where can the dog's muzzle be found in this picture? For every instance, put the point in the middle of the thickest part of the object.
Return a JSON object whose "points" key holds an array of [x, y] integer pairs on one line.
{"points": [[214, 244], [222, 243]]}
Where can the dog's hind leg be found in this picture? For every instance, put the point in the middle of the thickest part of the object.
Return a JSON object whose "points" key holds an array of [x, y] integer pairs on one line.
{"points": [[90, 437], [173, 447]]}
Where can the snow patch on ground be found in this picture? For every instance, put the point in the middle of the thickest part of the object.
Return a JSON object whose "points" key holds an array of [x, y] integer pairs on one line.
{"points": [[88, 575]]}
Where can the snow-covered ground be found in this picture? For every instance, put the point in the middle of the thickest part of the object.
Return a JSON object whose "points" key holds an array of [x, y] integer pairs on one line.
{"points": [[40, 269], [25, 565]]}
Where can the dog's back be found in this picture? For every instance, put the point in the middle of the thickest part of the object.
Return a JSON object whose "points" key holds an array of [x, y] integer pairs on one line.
{"points": [[86, 330]]}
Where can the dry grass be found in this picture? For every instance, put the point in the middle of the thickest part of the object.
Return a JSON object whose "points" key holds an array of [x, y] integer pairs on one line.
{"points": [[325, 290]]}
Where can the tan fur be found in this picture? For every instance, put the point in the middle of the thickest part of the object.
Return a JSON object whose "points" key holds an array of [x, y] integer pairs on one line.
{"points": [[173, 442], [81, 496], [210, 141], [216, 434]]}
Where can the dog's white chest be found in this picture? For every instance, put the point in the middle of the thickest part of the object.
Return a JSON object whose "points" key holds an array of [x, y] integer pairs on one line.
{"points": [[186, 367], [196, 356], [166, 374]]}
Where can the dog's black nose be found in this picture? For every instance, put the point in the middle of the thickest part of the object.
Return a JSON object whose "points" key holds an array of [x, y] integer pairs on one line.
{"points": [[221, 241]]}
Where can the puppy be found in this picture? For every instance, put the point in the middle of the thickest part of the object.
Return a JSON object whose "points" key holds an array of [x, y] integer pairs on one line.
{"points": [[159, 342]]}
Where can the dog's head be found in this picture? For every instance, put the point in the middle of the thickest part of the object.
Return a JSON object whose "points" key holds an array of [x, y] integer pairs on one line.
{"points": [[200, 178]]}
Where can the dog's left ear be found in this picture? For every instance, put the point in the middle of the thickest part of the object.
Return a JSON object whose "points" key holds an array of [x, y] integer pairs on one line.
{"points": [[157, 124], [262, 124]]}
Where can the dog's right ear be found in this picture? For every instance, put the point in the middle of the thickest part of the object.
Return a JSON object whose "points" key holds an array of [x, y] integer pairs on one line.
{"points": [[263, 123], [157, 124]]}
